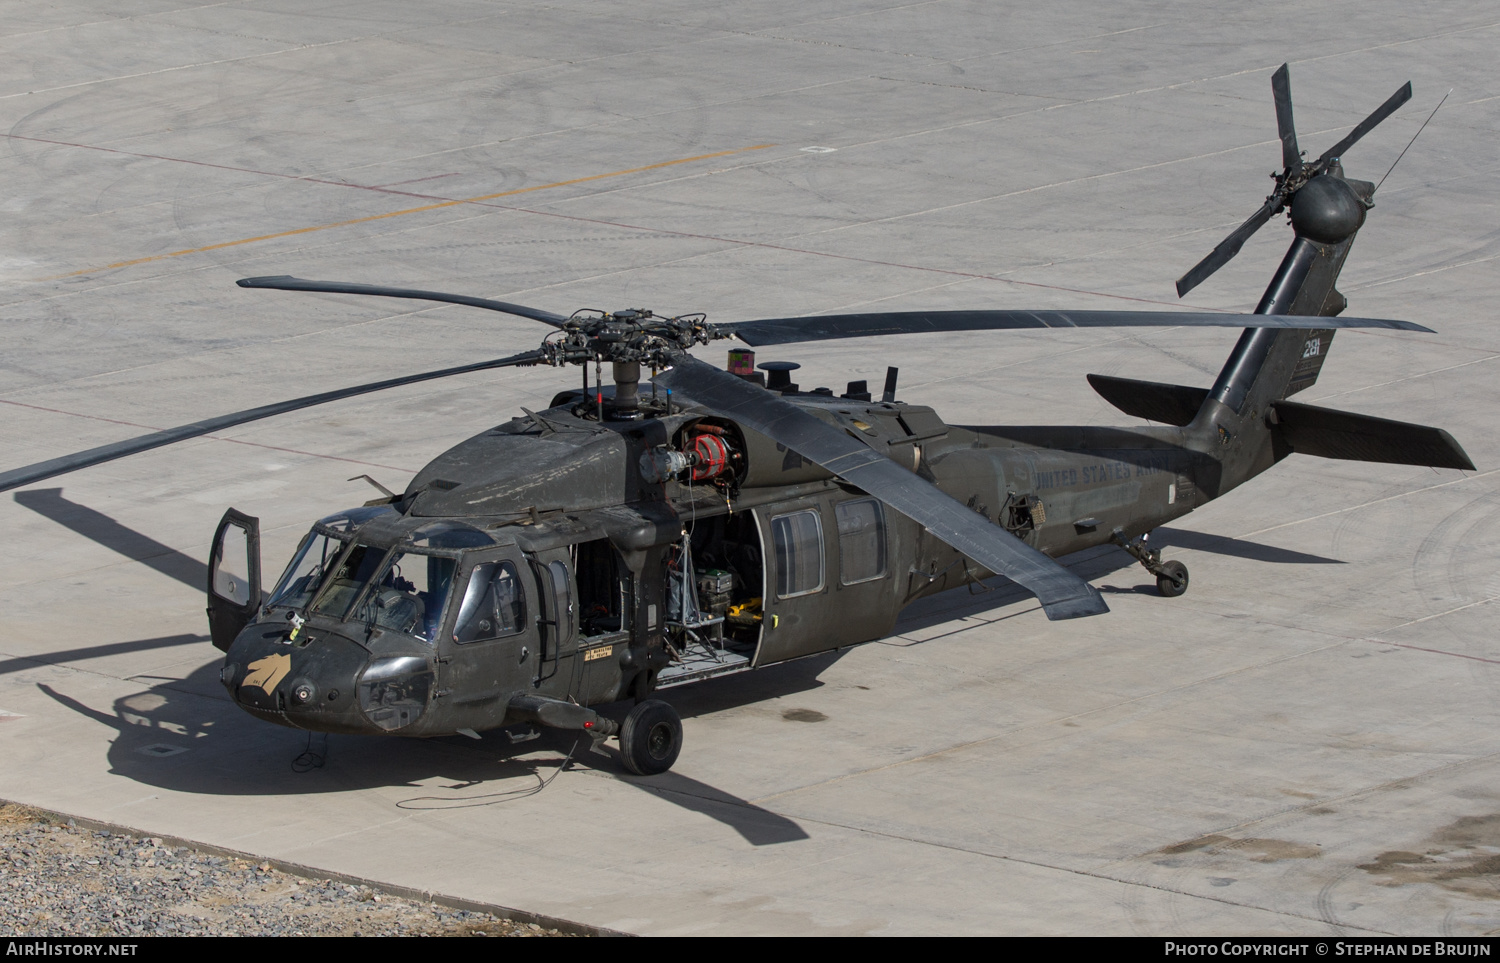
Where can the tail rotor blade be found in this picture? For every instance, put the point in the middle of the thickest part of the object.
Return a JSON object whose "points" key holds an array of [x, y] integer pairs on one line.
{"points": [[1368, 124], [1281, 90], [1227, 248]]}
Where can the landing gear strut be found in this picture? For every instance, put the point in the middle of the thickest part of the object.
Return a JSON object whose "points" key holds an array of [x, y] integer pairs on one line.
{"points": [[1171, 576]]}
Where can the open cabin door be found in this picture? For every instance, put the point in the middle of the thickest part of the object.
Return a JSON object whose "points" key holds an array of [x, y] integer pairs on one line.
{"points": [[233, 577]]}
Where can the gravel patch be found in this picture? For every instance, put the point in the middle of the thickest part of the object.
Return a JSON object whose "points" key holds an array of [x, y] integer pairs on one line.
{"points": [[58, 879]]}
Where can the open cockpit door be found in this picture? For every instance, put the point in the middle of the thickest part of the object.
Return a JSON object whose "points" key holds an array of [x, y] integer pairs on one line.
{"points": [[233, 577]]}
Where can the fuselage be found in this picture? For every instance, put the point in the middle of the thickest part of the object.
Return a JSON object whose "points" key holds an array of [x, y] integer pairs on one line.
{"points": [[559, 558]]}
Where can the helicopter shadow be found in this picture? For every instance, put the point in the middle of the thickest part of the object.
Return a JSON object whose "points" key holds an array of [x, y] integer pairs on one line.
{"points": [[186, 736], [733, 691], [1091, 565], [1237, 547], [757, 826]]}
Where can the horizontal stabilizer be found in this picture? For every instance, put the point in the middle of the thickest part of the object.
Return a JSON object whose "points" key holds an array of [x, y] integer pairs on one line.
{"points": [[1168, 404], [1326, 433]]}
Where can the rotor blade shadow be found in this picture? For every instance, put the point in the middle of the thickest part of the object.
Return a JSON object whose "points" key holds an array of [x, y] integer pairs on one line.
{"points": [[100, 528], [17, 663], [105, 718], [759, 827], [1238, 547]]}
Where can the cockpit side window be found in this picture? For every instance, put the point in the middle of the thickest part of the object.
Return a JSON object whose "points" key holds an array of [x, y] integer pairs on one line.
{"points": [[410, 594], [493, 605]]}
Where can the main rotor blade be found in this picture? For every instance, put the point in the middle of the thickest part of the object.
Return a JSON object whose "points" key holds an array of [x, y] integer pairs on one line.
{"points": [[827, 327], [285, 282], [1281, 90], [1063, 595], [1227, 248], [119, 449], [1368, 124]]}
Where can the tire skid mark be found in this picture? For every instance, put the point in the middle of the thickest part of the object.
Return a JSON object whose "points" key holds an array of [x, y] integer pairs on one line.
{"points": [[1326, 910]]}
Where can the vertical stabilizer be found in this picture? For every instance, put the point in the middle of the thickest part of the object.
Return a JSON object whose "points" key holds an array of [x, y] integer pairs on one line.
{"points": [[1269, 364], [1234, 424]]}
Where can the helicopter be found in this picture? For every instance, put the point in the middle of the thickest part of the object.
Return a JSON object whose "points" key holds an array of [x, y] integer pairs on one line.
{"points": [[627, 539]]}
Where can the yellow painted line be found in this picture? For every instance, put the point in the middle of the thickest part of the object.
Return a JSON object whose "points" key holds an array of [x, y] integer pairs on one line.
{"points": [[410, 210]]}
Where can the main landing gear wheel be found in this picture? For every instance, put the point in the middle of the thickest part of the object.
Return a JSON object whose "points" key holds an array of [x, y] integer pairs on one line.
{"points": [[1171, 577], [1172, 580], [651, 738]]}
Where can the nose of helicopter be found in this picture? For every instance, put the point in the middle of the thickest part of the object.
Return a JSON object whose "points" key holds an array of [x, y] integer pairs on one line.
{"points": [[322, 681]]}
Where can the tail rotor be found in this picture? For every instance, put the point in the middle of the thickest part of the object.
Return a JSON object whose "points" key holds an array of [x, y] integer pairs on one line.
{"points": [[1295, 175]]}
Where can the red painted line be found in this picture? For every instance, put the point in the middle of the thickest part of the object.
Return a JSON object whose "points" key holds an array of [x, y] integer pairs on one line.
{"points": [[1456, 655], [410, 210], [385, 189], [415, 180]]}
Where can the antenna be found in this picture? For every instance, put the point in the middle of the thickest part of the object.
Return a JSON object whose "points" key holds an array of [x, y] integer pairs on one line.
{"points": [[1414, 137]]}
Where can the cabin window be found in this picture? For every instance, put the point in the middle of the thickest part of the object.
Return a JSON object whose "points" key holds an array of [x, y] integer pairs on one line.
{"points": [[799, 553], [861, 541], [492, 605]]}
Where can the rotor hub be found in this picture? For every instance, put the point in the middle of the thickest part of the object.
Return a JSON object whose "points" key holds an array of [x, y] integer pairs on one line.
{"points": [[1327, 210], [635, 335]]}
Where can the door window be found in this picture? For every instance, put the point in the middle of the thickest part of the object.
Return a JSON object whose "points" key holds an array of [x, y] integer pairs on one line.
{"points": [[861, 541], [798, 538], [232, 576], [492, 605]]}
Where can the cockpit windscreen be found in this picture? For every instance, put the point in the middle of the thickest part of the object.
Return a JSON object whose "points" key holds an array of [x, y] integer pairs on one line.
{"points": [[308, 568]]}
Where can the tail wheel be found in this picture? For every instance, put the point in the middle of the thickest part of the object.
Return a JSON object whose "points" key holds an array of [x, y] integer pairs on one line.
{"points": [[1172, 580], [651, 738]]}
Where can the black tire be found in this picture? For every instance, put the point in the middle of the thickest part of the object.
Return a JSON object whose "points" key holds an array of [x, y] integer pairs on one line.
{"points": [[1173, 580], [651, 738]]}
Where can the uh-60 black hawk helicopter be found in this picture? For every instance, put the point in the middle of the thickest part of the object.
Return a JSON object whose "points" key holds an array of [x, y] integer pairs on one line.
{"points": [[625, 540]]}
